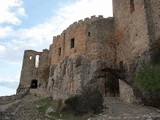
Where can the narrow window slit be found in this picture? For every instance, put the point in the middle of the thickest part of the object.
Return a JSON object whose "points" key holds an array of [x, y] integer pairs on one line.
{"points": [[37, 61], [72, 43], [132, 8], [89, 34], [59, 51]]}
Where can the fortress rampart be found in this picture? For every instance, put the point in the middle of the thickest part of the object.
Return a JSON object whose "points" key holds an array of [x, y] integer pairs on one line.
{"points": [[92, 37]]}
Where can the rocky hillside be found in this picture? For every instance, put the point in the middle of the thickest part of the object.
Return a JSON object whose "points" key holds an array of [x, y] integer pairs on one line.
{"points": [[35, 108]]}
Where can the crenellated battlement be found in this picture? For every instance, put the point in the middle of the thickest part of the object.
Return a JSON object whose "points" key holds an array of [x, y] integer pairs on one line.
{"points": [[82, 35], [84, 21]]}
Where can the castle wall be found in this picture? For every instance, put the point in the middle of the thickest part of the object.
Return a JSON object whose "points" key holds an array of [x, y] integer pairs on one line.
{"points": [[82, 54], [93, 37], [93, 51], [153, 18], [61, 46], [131, 37], [32, 70], [100, 44]]}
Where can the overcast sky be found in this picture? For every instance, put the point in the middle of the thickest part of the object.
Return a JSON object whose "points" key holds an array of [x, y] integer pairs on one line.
{"points": [[31, 24]]}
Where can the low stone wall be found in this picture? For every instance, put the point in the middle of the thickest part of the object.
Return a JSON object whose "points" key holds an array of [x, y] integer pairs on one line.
{"points": [[126, 92]]}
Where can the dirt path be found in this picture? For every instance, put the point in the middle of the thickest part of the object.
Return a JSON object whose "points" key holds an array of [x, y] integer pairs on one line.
{"points": [[115, 110], [6, 106], [118, 110]]}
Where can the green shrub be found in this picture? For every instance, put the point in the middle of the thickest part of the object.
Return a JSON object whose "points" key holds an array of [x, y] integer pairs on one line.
{"points": [[147, 81], [148, 78], [72, 102], [88, 101]]}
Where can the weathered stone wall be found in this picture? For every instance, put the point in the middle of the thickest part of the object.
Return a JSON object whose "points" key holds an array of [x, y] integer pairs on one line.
{"points": [[126, 92], [32, 72], [153, 18], [71, 68], [74, 74], [137, 32], [61, 46], [100, 43], [93, 37], [88, 51], [131, 36]]}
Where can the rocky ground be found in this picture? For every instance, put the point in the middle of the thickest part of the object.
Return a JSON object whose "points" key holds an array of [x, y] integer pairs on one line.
{"points": [[117, 110], [20, 109], [34, 108]]}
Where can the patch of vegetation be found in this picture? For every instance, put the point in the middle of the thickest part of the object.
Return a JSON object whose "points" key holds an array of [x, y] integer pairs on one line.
{"points": [[59, 110], [31, 108], [147, 81], [88, 102], [43, 104], [148, 78], [67, 115]]}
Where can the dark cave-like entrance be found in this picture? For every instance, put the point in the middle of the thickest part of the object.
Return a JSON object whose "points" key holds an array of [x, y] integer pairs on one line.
{"points": [[111, 83], [34, 84]]}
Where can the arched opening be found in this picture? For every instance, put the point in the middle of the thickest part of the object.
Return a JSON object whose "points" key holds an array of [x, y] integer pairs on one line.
{"points": [[111, 86], [111, 82], [34, 84]]}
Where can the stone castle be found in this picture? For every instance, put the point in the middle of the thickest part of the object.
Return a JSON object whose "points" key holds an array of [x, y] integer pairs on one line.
{"points": [[97, 53]]}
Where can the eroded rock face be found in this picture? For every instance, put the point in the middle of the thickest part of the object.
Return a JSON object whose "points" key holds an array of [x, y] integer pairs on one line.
{"points": [[75, 73]]}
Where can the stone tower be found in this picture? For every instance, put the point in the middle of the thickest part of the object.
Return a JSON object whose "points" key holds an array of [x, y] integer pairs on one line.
{"points": [[137, 30], [34, 69]]}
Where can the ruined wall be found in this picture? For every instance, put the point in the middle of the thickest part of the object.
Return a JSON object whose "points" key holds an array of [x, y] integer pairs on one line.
{"points": [[32, 70], [131, 37]]}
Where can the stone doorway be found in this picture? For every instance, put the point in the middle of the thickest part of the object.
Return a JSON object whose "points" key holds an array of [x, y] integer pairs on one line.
{"points": [[111, 84], [34, 84]]}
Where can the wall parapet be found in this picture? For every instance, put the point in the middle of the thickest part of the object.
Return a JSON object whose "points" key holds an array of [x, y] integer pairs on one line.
{"points": [[87, 20]]}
